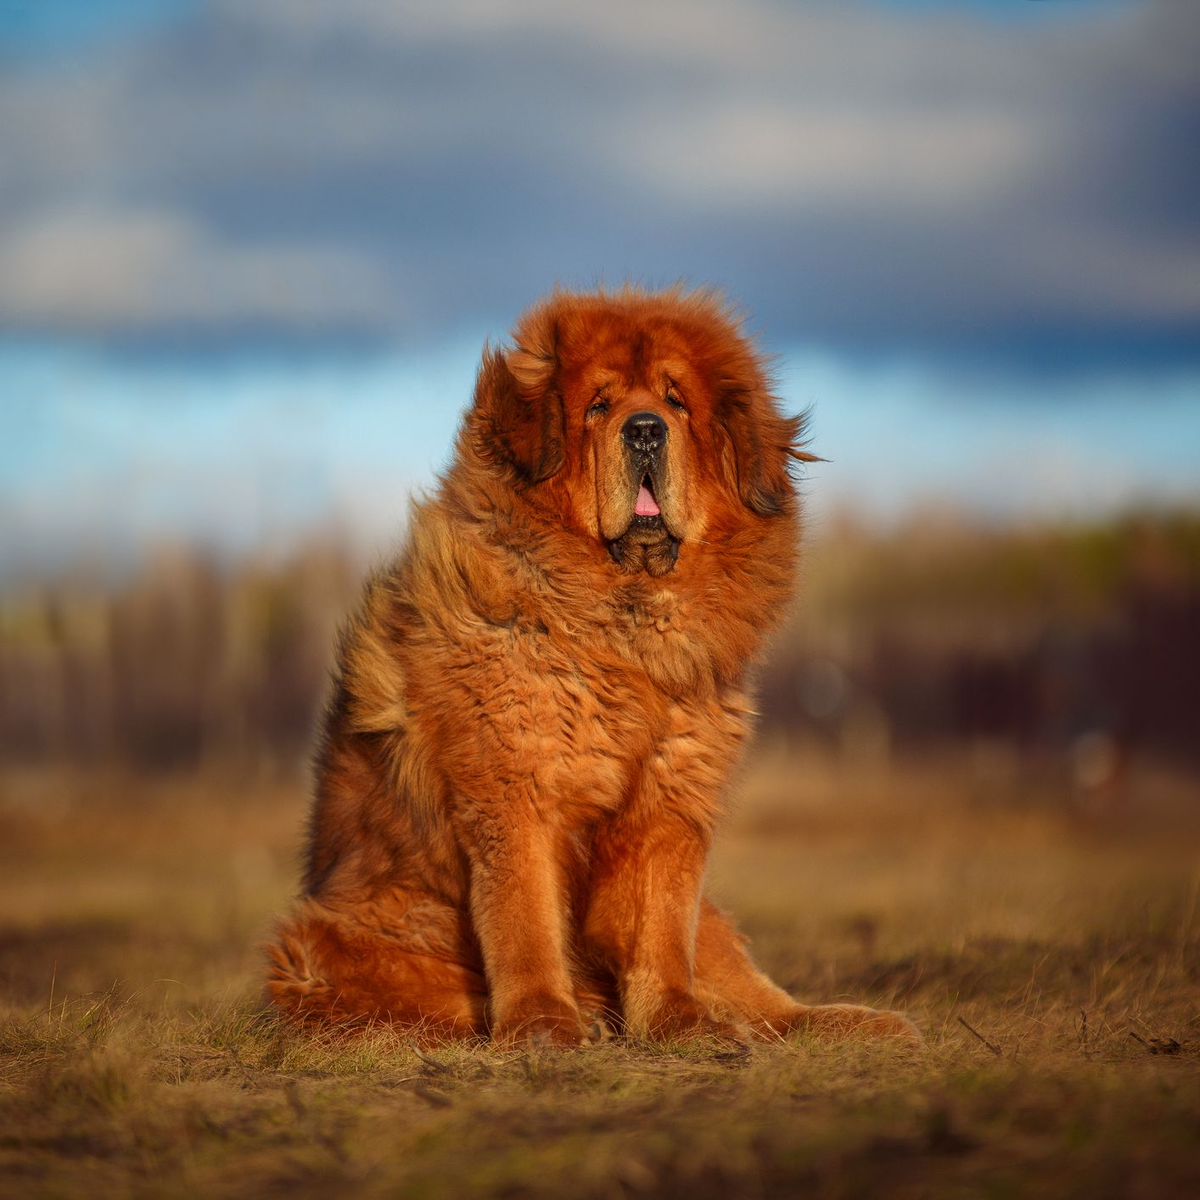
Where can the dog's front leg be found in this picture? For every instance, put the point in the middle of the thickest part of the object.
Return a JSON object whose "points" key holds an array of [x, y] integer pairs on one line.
{"points": [[642, 913], [519, 912]]}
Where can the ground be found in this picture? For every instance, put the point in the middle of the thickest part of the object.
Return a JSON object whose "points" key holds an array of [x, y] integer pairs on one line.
{"points": [[1046, 944]]}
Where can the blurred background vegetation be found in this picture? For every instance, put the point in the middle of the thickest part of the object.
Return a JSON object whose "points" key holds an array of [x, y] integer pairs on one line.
{"points": [[1070, 647]]}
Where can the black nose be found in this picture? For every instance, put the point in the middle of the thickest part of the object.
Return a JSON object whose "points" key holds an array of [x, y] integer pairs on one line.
{"points": [[645, 432]]}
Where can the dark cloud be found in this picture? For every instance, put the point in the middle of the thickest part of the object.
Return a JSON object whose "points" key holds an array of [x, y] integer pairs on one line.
{"points": [[870, 178]]}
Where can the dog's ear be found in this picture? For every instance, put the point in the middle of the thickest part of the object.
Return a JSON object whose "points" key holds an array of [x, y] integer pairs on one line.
{"points": [[765, 444], [518, 405]]}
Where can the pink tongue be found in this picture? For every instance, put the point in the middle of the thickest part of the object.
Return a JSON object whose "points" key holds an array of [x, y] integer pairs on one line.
{"points": [[646, 505]]}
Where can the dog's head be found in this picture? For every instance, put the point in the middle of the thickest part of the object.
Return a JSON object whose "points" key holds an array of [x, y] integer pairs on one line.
{"points": [[644, 420]]}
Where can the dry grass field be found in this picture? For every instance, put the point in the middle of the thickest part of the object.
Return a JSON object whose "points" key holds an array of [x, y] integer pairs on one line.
{"points": [[1050, 956]]}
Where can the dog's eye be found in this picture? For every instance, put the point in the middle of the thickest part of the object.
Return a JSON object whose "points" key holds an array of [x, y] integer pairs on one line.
{"points": [[673, 399], [598, 408]]}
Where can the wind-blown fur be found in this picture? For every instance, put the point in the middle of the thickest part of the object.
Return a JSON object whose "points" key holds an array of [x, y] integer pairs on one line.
{"points": [[539, 705]]}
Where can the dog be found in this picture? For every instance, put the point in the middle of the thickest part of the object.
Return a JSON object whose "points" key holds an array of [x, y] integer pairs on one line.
{"points": [[537, 710]]}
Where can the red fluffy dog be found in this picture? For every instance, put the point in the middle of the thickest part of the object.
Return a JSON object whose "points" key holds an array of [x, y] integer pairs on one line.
{"points": [[539, 705]]}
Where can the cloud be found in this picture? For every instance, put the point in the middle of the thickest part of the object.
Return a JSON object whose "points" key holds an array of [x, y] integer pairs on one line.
{"points": [[777, 158], [82, 270], [872, 177]]}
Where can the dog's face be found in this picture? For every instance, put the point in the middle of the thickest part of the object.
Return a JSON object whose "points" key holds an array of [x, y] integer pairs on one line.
{"points": [[644, 420]]}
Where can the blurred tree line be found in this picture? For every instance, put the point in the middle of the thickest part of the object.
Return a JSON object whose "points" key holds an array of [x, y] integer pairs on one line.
{"points": [[1081, 640], [1039, 640], [187, 662]]}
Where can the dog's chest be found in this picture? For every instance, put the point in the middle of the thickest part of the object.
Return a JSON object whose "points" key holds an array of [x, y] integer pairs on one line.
{"points": [[612, 734]]}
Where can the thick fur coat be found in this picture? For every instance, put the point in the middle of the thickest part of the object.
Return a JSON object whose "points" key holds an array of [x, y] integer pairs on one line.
{"points": [[538, 707]]}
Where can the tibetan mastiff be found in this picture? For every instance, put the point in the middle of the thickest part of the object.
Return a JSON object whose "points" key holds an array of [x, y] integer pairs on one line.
{"points": [[538, 707]]}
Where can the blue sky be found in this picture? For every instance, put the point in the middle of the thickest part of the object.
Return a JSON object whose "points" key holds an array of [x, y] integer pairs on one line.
{"points": [[249, 253], [31, 27], [108, 455]]}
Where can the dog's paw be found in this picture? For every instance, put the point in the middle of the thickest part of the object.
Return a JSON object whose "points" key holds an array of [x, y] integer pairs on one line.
{"points": [[841, 1022], [541, 1021], [680, 1017]]}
